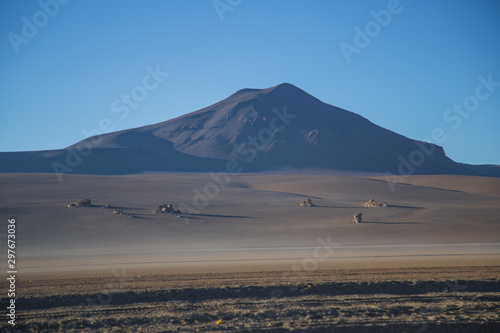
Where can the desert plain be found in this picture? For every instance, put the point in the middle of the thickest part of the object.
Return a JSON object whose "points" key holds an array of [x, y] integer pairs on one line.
{"points": [[244, 256]]}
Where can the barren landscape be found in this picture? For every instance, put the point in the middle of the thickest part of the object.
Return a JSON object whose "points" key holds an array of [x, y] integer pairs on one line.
{"points": [[250, 166], [252, 258]]}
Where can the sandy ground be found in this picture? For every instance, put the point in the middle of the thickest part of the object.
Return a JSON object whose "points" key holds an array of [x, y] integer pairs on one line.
{"points": [[247, 257]]}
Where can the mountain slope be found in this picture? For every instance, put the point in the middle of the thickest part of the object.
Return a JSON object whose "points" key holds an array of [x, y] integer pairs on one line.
{"points": [[279, 128]]}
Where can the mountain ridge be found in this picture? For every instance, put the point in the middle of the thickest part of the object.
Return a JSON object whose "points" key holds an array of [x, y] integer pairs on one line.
{"points": [[264, 130]]}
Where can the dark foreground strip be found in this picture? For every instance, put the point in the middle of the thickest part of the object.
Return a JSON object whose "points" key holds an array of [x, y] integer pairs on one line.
{"points": [[260, 292]]}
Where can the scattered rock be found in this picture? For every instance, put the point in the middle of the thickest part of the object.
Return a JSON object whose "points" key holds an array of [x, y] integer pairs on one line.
{"points": [[107, 206], [358, 218], [167, 209], [118, 211], [373, 203], [80, 203], [307, 203]]}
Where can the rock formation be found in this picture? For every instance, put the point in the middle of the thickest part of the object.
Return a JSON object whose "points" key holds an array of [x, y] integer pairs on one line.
{"points": [[167, 209], [307, 203], [373, 203], [80, 203]]}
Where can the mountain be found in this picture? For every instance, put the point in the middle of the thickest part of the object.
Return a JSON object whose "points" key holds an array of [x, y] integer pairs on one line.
{"points": [[282, 128]]}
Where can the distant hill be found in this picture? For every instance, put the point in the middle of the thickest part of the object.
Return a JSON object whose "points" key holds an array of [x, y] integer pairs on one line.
{"points": [[277, 129]]}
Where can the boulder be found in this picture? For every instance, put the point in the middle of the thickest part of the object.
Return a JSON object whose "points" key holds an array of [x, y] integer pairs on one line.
{"points": [[167, 209], [373, 203], [307, 203], [81, 203], [358, 218]]}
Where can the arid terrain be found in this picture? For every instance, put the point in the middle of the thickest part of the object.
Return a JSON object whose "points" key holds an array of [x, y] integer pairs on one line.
{"points": [[416, 295], [246, 256]]}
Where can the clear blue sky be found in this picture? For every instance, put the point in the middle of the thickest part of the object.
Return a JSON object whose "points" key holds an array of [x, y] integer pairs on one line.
{"points": [[65, 76]]}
